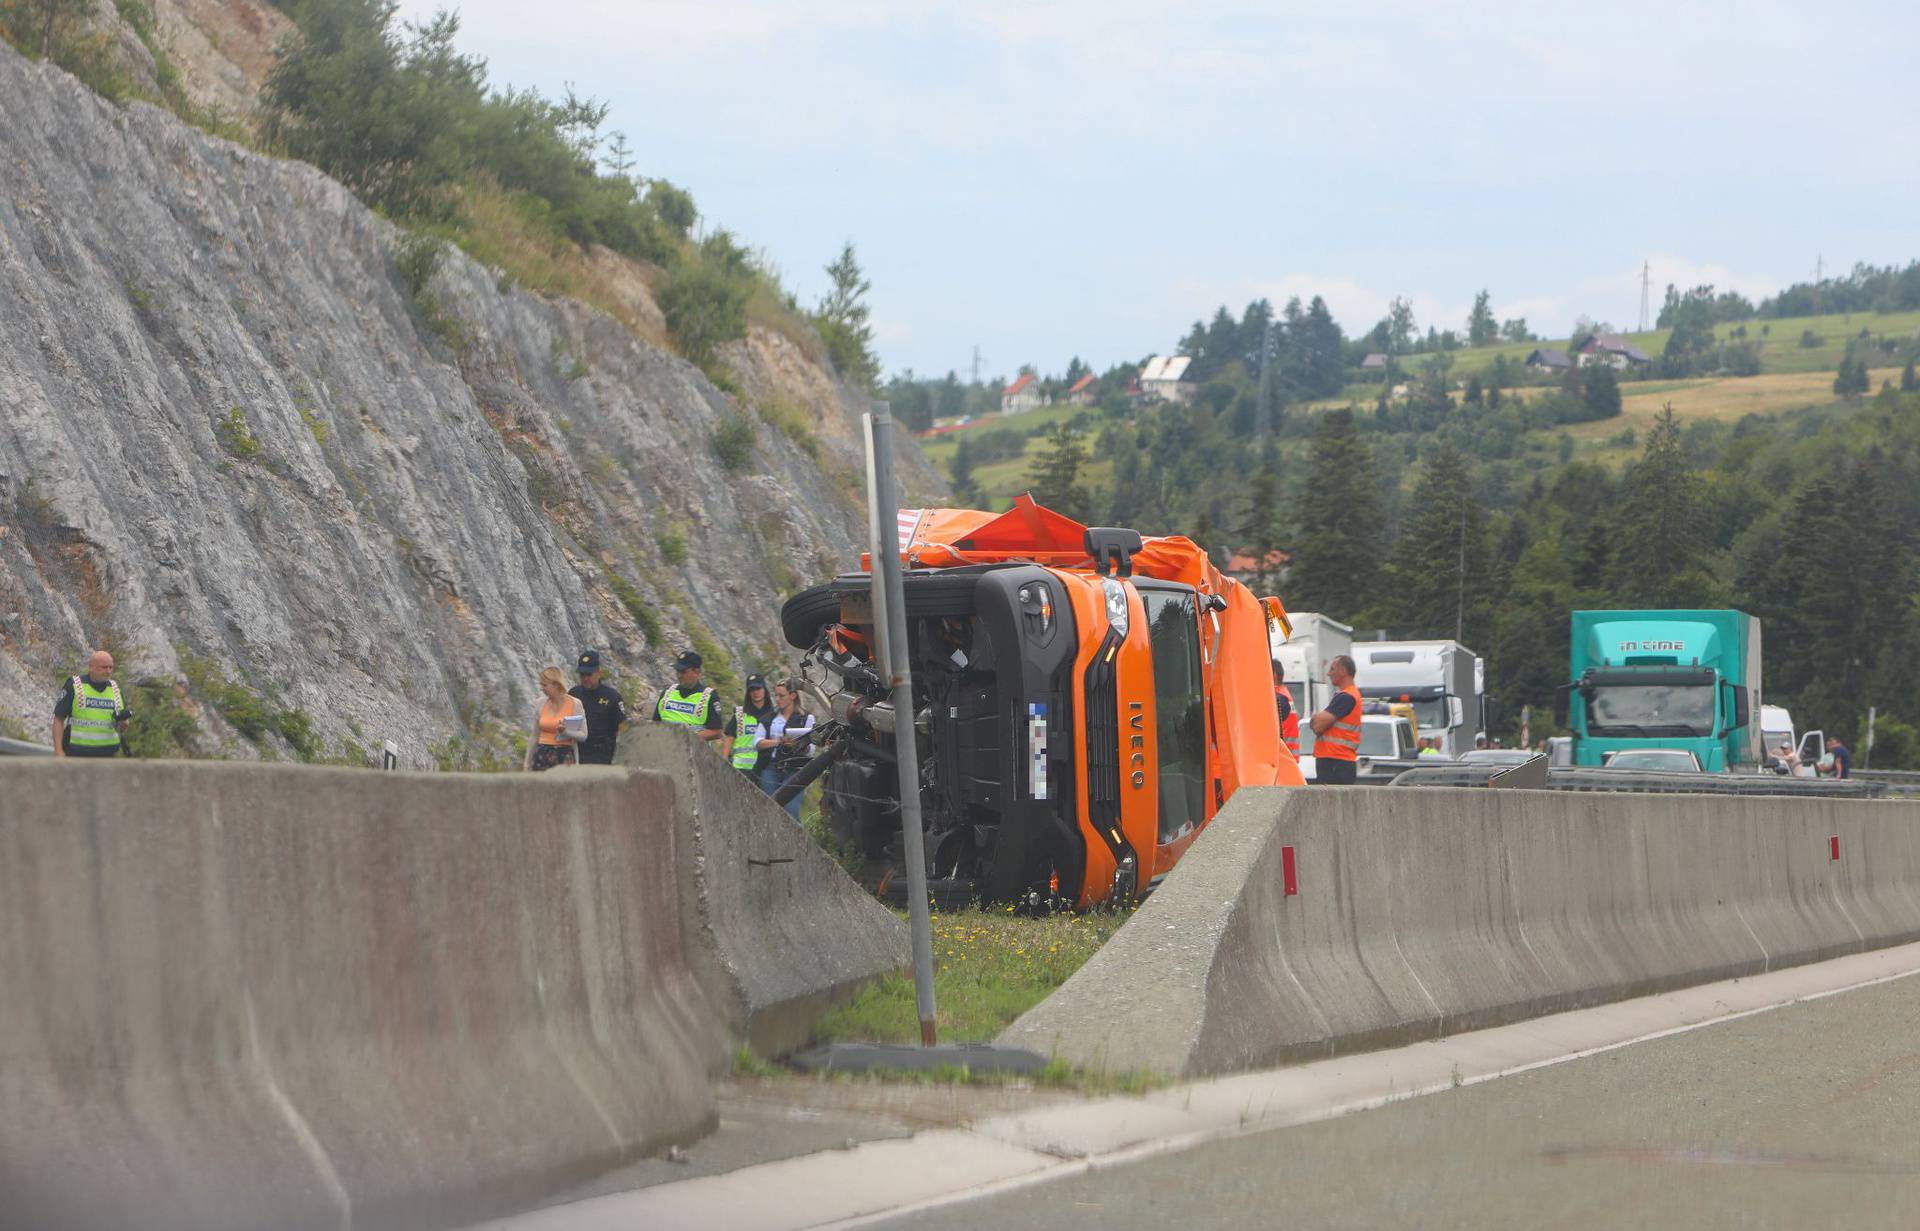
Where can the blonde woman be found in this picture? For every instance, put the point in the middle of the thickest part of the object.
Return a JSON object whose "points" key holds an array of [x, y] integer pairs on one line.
{"points": [[559, 724]]}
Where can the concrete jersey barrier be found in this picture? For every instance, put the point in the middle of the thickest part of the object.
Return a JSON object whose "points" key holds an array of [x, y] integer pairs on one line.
{"points": [[777, 930], [245, 996], [1307, 923]]}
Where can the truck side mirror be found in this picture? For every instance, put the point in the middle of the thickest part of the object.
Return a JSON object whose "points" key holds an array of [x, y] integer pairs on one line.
{"points": [[1456, 711], [1742, 710], [1562, 703]]}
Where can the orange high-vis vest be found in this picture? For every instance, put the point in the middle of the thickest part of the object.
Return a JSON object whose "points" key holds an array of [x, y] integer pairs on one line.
{"points": [[1341, 741], [1290, 725]]}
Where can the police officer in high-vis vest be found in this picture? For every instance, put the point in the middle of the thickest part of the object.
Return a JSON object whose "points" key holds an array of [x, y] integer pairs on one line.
{"points": [[90, 719], [750, 728], [1336, 729], [689, 703]]}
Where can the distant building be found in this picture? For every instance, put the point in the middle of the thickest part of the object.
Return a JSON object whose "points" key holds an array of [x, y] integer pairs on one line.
{"points": [[1164, 378], [1548, 361], [1022, 394], [1375, 362], [1247, 569], [1081, 392], [1608, 348]]}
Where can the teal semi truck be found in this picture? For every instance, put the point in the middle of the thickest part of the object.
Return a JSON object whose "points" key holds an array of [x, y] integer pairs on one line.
{"points": [[1665, 679]]}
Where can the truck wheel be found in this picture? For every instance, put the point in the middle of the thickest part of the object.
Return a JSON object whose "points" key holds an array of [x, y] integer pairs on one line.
{"points": [[928, 594], [806, 613]]}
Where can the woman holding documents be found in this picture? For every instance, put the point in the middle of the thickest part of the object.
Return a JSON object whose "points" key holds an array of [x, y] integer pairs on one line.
{"points": [[558, 726]]}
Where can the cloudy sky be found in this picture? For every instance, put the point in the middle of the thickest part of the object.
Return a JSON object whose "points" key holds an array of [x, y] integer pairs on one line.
{"points": [[1089, 176]]}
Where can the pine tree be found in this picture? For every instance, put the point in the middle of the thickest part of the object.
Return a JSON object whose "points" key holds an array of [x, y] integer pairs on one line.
{"points": [[1909, 383], [842, 321], [1661, 530], [1259, 528], [1056, 473], [1482, 329], [1600, 392], [1440, 573], [1338, 542]]}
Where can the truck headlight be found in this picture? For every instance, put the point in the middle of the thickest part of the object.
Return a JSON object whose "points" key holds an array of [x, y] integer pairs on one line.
{"points": [[1116, 606]]}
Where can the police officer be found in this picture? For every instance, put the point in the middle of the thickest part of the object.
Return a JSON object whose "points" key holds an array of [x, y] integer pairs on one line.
{"points": [[606, 710], [689, 703], [90, 718], [749, 730]]}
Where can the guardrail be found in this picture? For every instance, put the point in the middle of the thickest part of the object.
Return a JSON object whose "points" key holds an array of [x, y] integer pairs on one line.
{"points": [[21, 748], [1646, 782], [1661, 782]]}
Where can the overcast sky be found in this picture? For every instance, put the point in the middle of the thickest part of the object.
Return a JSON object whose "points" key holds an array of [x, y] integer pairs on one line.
{"points": [[1088, 177]]}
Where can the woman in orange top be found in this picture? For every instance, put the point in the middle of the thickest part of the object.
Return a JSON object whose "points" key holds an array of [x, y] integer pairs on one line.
{"points": [[552, 744]]}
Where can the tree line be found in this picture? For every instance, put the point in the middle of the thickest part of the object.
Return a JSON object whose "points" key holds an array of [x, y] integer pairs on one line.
{"points": [[397, 113]]}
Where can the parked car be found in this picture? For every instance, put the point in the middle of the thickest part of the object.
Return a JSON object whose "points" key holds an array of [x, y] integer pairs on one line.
{"points": [[1669, 760], [1497, 756]]}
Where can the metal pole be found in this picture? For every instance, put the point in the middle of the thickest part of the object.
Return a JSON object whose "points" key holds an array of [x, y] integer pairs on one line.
{"points": [[1868, 762], [890, 629]]}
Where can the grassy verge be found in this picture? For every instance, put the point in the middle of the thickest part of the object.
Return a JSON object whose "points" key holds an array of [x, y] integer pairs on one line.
{"points": [[989, 968]]}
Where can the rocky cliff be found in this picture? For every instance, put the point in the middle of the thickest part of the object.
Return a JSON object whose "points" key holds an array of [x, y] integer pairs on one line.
{"points": [[248, 430]]}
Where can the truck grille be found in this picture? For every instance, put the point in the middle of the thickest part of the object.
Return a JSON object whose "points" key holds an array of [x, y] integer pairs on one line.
{"points": [[1103, 745]]}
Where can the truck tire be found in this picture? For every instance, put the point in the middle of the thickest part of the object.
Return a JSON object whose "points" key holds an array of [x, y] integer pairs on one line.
{"points": [[806, 613], [928, 594]]}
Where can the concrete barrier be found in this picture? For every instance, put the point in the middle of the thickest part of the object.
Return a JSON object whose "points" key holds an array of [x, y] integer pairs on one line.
{"points": [[1423, 912], [244, 996], [778, 931]]}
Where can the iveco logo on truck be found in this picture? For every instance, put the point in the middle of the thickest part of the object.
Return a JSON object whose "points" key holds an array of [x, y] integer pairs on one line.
{"points": [[1641, 647]]}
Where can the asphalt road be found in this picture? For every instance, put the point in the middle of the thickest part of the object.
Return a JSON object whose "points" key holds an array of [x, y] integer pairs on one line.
{"points": [[1806, 1116]]}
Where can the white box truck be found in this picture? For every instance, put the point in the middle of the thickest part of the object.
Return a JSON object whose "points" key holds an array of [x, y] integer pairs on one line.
{"points": [[1445, 682], [1303, 660]]}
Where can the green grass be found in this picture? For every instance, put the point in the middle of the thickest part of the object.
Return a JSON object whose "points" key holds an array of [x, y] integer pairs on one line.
{"points": [[990, 966], [1780, 349]]}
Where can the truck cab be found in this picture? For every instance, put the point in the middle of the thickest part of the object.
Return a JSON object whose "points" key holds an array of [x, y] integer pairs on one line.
{"points": [[1085, 701], [1386, 737], [1443, 681], [1686, 680]]}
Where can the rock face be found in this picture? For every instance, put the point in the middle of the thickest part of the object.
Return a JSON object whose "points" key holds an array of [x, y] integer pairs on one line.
{"points": [[229, 425]]}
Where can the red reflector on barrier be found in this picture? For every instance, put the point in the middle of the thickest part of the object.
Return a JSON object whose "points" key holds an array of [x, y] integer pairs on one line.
{"points": [[1833, 844], [1289, 881]]}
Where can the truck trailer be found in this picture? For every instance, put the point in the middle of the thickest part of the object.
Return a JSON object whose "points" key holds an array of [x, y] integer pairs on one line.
{"points": [[1664, 679], [1444, 681]]}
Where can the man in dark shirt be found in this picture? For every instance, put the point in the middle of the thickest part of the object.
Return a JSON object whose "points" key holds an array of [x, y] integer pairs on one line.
{"points": [[1842, 758], [104, 715], [606, 711], [1336, 728]]}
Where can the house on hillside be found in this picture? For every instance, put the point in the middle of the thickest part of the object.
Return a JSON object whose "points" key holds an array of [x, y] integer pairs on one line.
{"points": [[1247, 569], [1023, 394], [1164, 379], [1081, 391], [1552, 362], [1375, 362], [1608, 348]]}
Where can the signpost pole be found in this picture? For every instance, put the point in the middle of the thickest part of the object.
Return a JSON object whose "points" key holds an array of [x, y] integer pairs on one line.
{"points": [[890, 627]]}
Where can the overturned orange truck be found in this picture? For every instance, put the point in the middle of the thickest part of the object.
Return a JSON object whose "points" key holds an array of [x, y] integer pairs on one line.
{"points": [[1085, 701]]}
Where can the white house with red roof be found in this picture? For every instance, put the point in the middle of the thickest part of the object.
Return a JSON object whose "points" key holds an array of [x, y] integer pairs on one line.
{"points": [[1023, 394], [1080, 393]]}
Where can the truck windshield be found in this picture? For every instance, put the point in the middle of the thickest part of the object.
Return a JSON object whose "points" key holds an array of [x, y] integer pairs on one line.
{"points": [[1377, 739], [1431, 716], [1631, 709], [1173, 629]]}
